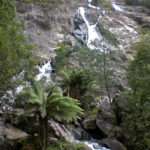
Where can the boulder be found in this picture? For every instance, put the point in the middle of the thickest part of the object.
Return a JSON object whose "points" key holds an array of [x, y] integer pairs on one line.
{"points": [[106, 120], [113, 144], [89, 123], [10, 135]]}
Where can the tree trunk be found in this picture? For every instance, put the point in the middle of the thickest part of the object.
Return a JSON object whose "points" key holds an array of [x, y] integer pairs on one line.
{"points": [[106, 77], [43, 132]]}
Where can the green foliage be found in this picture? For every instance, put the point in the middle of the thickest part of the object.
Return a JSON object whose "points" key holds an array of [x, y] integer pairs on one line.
{"points": [[76, 82], [61, 145], [139, 70], [52, 103], [49, 102], [106, 4], [51, 3], [95, 63], [62, 57], [145, 3], [108, 35], [137, 118], [14, 52]]}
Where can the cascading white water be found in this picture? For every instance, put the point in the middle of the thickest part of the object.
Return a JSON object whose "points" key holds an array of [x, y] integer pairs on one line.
{"points": [[95, 146], [44, 71], [116, 7], [92, 34], [92, 6]]}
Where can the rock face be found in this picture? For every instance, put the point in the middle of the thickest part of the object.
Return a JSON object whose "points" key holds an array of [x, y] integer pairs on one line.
{"points": [[140, 15], [108, 121], [113, 144], [47, 24], [89, 123], [10, 135], [61, 131]]}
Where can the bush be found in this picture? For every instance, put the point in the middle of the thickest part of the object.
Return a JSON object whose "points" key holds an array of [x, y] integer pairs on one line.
{"points": [[145, 3], [137, 118], [106, 4], [15, 54], [62, 145]]}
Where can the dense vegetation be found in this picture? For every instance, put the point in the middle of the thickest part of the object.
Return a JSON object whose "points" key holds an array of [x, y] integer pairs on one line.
{"points": [[15, 54], [145, 3], [137, 119]]}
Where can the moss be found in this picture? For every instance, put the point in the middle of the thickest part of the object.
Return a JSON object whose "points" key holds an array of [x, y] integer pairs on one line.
{"points": [[105, 3], [92, 113], [63, 145], [108, 35], [45, 2], [145, 3]]}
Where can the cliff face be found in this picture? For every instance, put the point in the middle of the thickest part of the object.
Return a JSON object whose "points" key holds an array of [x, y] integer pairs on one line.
{"points": [[48, 24]]}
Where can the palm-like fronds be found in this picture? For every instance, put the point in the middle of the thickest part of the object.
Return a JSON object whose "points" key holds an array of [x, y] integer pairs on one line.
{"points": [[63, 107], [53, 103], [76, 82]]}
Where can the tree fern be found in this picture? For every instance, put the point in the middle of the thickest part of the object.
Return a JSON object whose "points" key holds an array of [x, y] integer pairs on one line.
{"points": [[51, 104]]}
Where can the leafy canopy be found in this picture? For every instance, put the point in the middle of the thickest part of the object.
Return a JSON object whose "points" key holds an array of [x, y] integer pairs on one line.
{"points": [[14, 52], [137, 118]]}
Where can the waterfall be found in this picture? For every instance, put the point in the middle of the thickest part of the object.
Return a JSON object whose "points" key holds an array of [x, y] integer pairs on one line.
{"points": [[92, 34], [95, 146], [44, 71], [92, 6], [116, 7], [91, 37]]}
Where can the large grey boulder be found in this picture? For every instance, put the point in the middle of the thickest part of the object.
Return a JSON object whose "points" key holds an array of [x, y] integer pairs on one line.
{"points": [[89, 123], [106, 120], [113, 144], [10, 135]]}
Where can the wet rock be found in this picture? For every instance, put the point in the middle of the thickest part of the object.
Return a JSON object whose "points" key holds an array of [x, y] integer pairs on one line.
{"points": [[113, 144], [106, 120], [59, 130], [43, 23], [10, 135], [142, 19], [89, 123]]}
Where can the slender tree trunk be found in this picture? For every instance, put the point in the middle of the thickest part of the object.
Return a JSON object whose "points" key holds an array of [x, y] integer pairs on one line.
{"points": [[106, 78], [44, 132]]}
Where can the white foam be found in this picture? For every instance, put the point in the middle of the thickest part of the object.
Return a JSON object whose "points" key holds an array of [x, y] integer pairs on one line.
{"points": [[44, 72], [95, 146], [93, 35], [117, 7]]}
